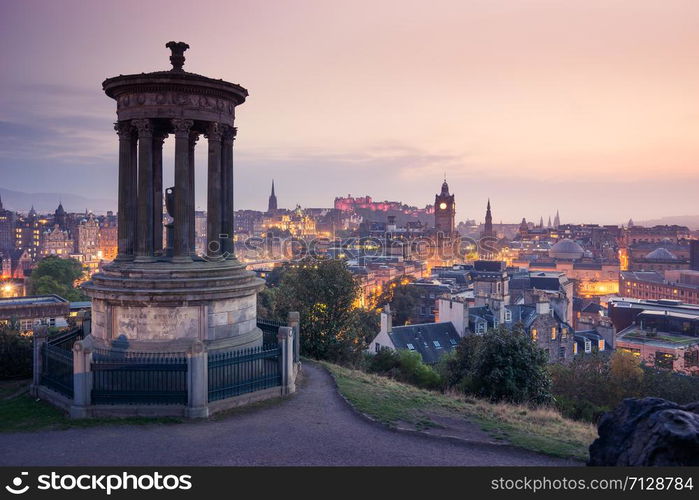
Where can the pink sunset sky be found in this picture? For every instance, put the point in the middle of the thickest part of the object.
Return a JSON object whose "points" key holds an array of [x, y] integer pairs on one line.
{"points": [[590, 107]]}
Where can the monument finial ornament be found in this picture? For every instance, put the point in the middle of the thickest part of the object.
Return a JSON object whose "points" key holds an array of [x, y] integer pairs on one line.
{"points": [[177, 57]]}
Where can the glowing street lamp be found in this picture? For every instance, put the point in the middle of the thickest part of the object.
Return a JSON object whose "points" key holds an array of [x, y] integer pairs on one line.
{"points": [[7, 289]]}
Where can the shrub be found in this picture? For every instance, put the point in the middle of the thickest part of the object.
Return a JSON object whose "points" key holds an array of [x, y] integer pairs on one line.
{"points": [[15, 355], [595, 383], [501, 365], [404, 366]]}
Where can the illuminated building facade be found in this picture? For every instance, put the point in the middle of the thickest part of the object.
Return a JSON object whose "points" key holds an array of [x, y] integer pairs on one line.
{"points": [[682, 285], [56, 242]]}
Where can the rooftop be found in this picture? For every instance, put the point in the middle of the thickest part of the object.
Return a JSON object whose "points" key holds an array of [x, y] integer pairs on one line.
{"points": [[635, 334], [32, 300]]}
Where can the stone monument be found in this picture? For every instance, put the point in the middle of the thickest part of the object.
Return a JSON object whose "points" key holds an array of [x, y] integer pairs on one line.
{"points": [[158, 296]]}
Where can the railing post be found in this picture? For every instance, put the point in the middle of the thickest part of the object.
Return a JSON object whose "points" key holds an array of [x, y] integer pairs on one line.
{"points": [[294, 322], [285, 337], [82, 379], [197, 381], [40, 336]]}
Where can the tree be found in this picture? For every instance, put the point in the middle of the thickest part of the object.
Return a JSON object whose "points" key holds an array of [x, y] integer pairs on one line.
{"points": [[15, 354], [626, 375], [501, 365], [402, 297], [325, 294], [54, 275]]}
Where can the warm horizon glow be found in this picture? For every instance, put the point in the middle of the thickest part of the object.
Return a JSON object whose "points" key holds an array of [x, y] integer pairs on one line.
{"points": [[589, 107]]}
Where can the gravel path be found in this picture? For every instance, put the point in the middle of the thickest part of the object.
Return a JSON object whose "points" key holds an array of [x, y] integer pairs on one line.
{"points": [[314, 427]]}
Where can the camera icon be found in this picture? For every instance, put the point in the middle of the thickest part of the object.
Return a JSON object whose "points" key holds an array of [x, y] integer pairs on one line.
{"points": [[16, 487]]}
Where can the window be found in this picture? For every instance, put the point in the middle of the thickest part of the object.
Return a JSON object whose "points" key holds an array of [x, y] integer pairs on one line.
{"points": [[553, 333], [437, 344], [691, 358], [664, 360], [588, 346], [575, 348], [495, 323], [377, 347], [535, 334], [600, 345], [480, 328], [453, 342], [562, 352], [508, 316], [564, 333], [411, 347]]}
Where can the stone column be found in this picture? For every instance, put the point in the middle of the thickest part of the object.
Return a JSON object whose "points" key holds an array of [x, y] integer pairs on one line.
{"points": [[197, 381], [82, 379], [213, 210], [285, 337], [183, 191], [294, 321], [144, 243], [193, 138], [40, 336], [127, 190], [158, 139], [227, 192]]}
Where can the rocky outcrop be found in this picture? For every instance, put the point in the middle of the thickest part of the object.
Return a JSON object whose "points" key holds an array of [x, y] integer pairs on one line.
{"points": [[648, 432]]}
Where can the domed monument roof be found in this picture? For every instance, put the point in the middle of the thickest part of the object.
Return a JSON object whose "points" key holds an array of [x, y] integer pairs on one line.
{"points": [[661, 254], [566, 249]]}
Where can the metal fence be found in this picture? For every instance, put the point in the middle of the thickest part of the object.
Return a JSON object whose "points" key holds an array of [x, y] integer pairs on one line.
{"points": [[139, 378], [269, 329], [57, 369], [65, 340], [246, 370]]}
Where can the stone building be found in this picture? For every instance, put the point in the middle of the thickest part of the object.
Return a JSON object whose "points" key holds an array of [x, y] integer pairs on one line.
{"points": [[107, 237], [682, 285], [56, 242], [28, 231], [86, 238], [8, 219]]}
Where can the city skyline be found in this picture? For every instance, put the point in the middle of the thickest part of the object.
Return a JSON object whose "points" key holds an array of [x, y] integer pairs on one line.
{"points": [[599, 125]]}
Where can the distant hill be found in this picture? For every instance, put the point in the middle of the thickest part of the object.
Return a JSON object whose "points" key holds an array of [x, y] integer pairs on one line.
{"points": [[691, 221], [47, 202]]}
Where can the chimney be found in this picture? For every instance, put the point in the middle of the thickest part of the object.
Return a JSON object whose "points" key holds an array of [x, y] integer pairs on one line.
{"points": [[386, 320], [543, 307]]}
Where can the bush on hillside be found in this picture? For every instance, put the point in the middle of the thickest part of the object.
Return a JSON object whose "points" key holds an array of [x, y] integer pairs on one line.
{"points": [[501, 365], [594, 384], [404, 366], [15, 355]]}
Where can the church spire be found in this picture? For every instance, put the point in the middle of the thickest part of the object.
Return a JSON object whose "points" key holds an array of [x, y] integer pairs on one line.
{"points": [[272, 203], [488, 229]]}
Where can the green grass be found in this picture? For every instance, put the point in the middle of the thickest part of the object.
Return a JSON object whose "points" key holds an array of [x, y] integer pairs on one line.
{"points": [[23, 413], [542, 430]]}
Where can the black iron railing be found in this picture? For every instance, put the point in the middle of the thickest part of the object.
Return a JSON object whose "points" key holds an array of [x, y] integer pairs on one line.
{"points": [[246, 370], [270, 329], [139, 378], [65, 340], [57, 369]]}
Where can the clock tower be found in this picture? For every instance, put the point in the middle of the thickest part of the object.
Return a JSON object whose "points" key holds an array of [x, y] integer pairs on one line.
{"points": [[444, 211]]}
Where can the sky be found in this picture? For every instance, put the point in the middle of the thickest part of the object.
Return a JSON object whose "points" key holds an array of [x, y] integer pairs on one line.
{"points": [[587, 107]]}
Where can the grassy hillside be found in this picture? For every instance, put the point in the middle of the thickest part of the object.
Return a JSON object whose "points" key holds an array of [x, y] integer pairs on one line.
{"points": [[393, 403]]}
